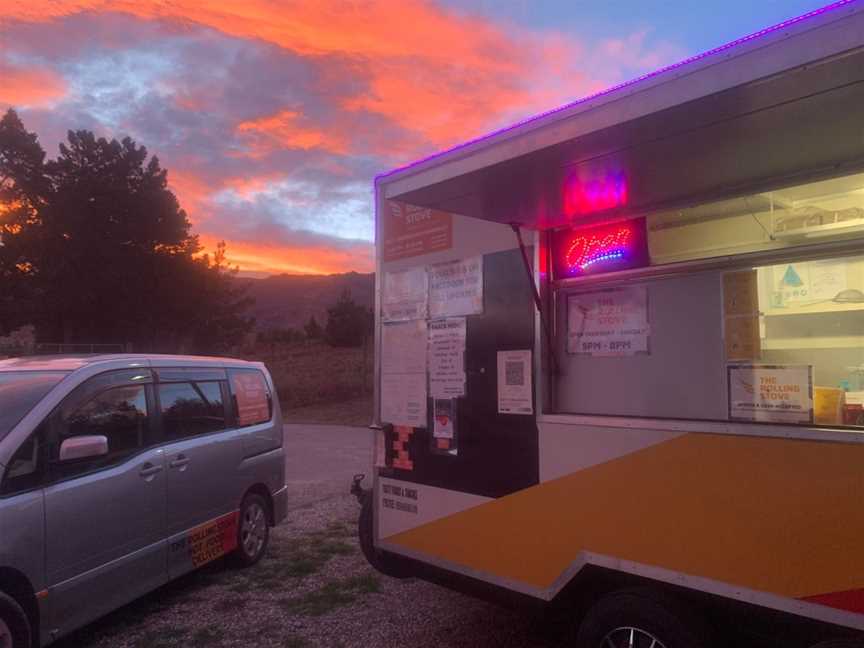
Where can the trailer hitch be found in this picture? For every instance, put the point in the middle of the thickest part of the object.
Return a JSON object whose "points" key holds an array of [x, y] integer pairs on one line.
{"points": [[357, 488]]}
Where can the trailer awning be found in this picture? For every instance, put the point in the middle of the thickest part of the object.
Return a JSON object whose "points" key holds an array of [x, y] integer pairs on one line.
{"points": [[754, 115]]}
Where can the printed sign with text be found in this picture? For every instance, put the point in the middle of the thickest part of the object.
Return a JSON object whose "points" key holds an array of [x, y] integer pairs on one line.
{"points": [[771, 393], [410, 231], [609, 322]]}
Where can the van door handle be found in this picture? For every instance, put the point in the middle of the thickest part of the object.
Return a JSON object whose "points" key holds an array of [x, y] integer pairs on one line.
{"points": [[181, 461], [148, 470]]}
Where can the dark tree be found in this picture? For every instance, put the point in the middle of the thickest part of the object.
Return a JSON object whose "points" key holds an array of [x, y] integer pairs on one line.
{"points": [[348, 325], [101, 248], [313, 329], [24, 188]]}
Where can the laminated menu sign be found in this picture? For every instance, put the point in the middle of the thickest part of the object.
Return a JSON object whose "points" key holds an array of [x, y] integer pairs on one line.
{"points": [[405, 295], [608, 323], [403, 373], [771, 393], [456, 288], [447, 357], [403, 399], [403, 347], [514, 382]]}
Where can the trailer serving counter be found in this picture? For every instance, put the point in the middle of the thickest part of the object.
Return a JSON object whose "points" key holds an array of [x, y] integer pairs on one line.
{"points": [[620, 350]]}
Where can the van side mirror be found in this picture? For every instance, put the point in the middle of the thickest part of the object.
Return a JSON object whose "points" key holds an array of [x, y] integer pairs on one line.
{"points": [[84, 447]]}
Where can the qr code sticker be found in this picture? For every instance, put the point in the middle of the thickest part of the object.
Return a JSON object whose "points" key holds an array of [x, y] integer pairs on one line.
{"points": [[514, 373]]}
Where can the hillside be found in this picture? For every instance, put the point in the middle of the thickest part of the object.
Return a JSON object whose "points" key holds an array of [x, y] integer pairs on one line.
{"points": [[288, 301]]}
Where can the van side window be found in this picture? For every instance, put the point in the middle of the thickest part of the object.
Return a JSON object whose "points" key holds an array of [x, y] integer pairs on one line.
{"points": [[252, 400], [191, 408], [119, 414], [25, 468]]}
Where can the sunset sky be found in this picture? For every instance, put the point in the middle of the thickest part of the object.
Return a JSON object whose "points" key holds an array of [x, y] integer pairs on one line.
{"points": [[273, 116]]}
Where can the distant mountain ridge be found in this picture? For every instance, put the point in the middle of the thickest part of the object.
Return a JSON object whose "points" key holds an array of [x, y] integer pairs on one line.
{"points": [[288, 301]]}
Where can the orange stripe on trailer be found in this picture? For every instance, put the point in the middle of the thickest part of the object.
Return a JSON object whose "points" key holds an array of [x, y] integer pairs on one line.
{"points": [[783, 516]]}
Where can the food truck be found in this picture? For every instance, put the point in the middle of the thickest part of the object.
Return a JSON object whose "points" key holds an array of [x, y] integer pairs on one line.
{"points": [[620, 352]]}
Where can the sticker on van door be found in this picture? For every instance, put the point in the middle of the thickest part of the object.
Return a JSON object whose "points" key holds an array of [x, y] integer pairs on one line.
{"points": [[209, 541]]}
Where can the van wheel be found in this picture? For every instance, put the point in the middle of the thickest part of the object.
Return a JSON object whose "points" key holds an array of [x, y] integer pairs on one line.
{"points": [[14, 626], [640, 619], [387, 564], [253, 531]]}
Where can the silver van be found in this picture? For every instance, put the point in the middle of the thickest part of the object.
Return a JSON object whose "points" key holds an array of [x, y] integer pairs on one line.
{"points": [[121, 472]]}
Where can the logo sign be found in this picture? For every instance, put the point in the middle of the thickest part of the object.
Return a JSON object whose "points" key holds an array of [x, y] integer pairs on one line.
{"points": [[410, 231], [771, 393]]}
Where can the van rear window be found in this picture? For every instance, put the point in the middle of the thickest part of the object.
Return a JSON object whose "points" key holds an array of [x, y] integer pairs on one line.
{"points": [[251, 396]]}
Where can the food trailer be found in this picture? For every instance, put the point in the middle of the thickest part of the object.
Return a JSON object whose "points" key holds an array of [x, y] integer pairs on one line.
{"points": [[620, 351]]}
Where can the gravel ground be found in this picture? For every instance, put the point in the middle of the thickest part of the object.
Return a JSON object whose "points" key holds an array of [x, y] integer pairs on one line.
{"points": [[314, 588]]}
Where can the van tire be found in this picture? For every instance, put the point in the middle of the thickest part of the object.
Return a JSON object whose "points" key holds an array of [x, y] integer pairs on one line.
{"points": [[386, 563], [15, 619], [253, 531], [644, 611]]}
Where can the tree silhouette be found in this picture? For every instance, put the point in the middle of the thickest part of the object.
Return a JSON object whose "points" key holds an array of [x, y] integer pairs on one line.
{"points": [[348, 324], [99, 250], [313, 329]]}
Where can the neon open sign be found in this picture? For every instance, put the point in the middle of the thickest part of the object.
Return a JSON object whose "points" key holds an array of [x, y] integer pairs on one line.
{"points": [[604, 248]]}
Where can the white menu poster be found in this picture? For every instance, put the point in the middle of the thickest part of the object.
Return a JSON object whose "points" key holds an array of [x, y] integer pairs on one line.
{"points": [[405, 295], [447, 357], [771, 393], [514, 382], [403, 373], [403, 347], [403, 399], [456, 288], [608, 322]]}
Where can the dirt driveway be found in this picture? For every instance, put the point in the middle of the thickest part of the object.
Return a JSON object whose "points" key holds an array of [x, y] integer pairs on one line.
{"points": [[314, 588]]}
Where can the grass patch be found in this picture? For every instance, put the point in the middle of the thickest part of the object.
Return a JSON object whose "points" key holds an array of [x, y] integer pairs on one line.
{"points": [[333, 595], [296, 559]]}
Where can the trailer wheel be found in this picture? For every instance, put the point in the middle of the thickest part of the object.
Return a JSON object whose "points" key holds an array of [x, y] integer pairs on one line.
{"points": [[641, 619], [387, 564]]}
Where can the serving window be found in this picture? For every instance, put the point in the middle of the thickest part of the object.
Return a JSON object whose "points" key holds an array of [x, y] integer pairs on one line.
{"points": [[778, 343]]}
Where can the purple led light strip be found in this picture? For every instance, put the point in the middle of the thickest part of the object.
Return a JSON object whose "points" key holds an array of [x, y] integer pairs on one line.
{"points": [[650, 75]]}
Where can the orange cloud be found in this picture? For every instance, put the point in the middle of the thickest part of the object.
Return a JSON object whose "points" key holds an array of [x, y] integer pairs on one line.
{"points": [[29, 87], [264, 258], [439, 74], [284, 130]]}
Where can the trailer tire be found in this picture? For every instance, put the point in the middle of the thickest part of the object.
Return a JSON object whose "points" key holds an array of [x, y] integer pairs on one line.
{"points": [[647, 616], [386, 563]]}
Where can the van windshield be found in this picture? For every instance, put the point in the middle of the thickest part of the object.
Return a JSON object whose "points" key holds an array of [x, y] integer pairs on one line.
{"points": [[19, 393]]}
